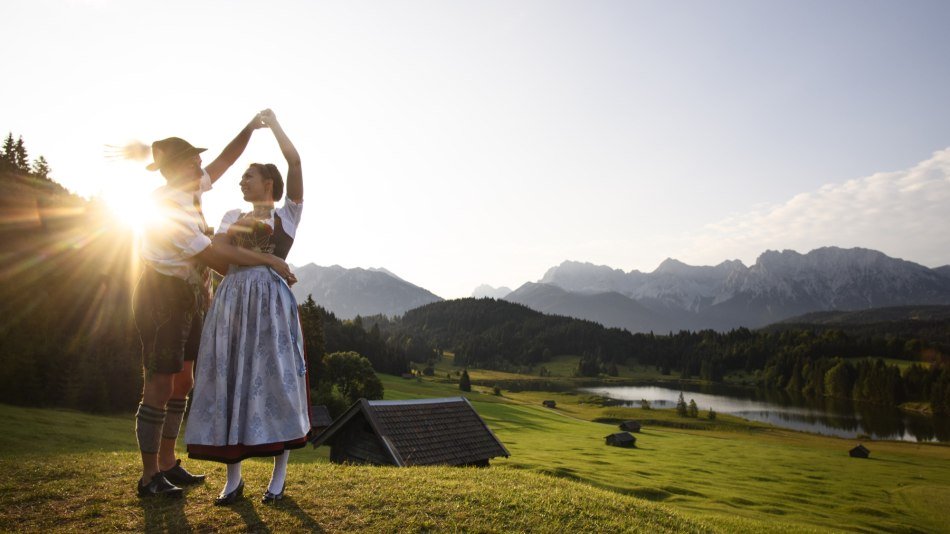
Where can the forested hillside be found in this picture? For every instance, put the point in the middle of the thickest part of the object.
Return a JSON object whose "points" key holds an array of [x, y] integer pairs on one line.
{"points": [[66, 333], [495, 333], [811, 360]]}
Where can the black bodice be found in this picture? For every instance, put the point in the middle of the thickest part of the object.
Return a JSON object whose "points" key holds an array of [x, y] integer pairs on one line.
{"points": [[258, 236]]}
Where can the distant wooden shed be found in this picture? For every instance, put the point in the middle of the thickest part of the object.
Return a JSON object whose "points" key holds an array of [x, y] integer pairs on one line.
{"points": [[446, 431], [622, 439], [549, 404], [630, 426], [859, 452]]}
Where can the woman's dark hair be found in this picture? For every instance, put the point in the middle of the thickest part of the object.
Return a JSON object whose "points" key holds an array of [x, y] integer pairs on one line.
{"points": [[269, 172]]}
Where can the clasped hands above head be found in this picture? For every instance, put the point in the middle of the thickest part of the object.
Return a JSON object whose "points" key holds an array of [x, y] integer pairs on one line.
{"points": [[267, 118]]}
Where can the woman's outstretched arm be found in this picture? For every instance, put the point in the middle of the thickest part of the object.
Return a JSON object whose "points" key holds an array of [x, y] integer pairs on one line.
{"points": [[294, 172]]}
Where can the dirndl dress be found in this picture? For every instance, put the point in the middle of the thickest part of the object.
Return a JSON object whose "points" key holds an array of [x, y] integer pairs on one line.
{"points": [[251, 395]]}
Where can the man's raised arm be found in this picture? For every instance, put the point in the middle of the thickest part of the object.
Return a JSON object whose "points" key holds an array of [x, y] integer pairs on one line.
{"points": [[233, 151]]}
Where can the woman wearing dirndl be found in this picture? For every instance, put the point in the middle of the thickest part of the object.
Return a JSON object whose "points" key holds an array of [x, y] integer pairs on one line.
{"points": [[251, 384]]}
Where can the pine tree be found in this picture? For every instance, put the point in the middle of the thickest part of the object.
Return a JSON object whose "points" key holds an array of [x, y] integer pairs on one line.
{"points": [[693, 410], [681, 406], [41, 168], [7, 160], [21, 159], [465, 384], [311, 322]]}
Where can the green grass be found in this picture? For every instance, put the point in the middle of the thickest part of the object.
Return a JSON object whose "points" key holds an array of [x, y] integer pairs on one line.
{"points": [[561, 366], [68, 471], [719, 471], [73, 472]]}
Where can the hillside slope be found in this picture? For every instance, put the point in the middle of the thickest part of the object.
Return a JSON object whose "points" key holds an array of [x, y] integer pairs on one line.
{"points": [[64, 495], [487, 332]]}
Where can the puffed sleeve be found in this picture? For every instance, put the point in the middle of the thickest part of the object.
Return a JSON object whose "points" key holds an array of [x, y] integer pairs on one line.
{"points": [[229, 218], [290, 216]]}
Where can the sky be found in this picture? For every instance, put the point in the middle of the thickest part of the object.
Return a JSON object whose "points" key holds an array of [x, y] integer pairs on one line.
{"points": [[482, 142]]}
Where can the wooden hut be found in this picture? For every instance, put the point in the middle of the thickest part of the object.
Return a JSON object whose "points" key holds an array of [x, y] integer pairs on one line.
{"points": [[859, 452], [445, 431], [622, 439], [549, 404], [630, 426]]}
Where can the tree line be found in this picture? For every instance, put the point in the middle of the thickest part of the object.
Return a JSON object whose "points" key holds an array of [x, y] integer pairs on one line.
{"points": [[497, 334], [14, 157], [800, 359]]}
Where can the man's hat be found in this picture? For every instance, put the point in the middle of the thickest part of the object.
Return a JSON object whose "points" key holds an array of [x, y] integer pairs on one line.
{"points": [[171, 150]]}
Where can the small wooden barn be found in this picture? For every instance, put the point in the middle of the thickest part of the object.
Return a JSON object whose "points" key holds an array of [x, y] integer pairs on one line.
{"points": [[622, 439], [630, 426], [446, 431], [549, 404], [859, 452]]}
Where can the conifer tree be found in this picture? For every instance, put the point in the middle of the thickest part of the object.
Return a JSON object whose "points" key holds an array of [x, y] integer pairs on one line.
{"points": [[20, 157], [7, 160], [693, 410], [311, 322], [41, 168], [465, 384], [681, 406]]}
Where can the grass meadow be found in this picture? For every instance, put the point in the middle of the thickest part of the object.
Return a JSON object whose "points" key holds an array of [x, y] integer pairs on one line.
{"points": [[720, 471], [68, 471]]}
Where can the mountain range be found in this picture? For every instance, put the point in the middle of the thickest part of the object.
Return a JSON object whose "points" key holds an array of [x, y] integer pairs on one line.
{"points": [[779, 285], [675, 296], [351, 292]]}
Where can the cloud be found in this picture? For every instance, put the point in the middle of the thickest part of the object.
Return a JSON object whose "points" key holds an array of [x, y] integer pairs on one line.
{"points": [[904, 214]]}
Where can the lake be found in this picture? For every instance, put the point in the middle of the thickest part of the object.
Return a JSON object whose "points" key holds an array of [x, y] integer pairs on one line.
{"points": [[833, 417]]}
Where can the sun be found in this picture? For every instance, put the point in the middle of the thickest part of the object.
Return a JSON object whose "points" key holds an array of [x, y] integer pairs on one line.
{"points": [[131, 208]]}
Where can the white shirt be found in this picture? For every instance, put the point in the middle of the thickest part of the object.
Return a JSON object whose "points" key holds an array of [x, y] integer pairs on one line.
{"points": [[289, 215], [171, 242]]}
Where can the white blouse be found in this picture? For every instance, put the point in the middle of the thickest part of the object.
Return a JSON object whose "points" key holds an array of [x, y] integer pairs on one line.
{"points": [[171, 242]]}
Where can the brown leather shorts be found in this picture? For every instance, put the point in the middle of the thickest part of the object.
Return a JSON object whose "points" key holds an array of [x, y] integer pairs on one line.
{"points": [[168, 316]]}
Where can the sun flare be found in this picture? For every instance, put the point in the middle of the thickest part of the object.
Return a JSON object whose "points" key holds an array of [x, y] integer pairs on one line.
{"points": [[132, 209]]}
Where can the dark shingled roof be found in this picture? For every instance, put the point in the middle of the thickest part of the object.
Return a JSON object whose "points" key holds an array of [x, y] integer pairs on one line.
{"points": [[446, 431], [632, 426], [320, 416], [620, 438]]}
